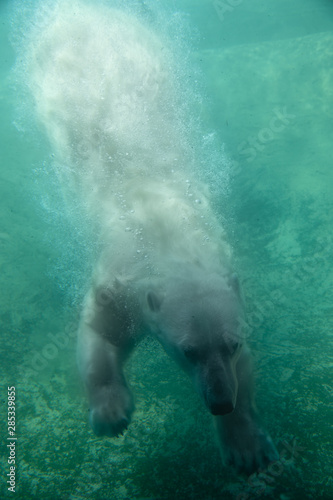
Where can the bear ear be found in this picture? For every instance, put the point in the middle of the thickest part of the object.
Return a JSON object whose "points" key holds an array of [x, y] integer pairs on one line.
{"points": [[235, 285], [154, 301], [233, 282], [104, 295]]}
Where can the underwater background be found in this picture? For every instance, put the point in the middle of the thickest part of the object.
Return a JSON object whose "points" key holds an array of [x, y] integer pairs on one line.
{"points": [[266, 81]]}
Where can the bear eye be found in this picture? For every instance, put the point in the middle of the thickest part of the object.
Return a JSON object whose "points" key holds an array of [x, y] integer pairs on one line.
{"points": [[191, 353], [234, 348]]}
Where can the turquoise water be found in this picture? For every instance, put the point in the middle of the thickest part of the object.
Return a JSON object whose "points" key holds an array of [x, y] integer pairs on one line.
{"points": [[266, 77]]}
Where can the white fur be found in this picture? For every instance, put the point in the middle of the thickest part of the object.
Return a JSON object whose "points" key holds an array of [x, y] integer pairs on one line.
{"points": [[105, 91]]}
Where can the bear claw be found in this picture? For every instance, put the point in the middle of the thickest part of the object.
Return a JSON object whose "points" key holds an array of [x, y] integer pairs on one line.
{"points": [[249, 460]]}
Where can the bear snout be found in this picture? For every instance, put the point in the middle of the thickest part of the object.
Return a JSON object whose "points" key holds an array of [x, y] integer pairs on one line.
{"points": [[220, 401], [222, 408], [219, 389]]}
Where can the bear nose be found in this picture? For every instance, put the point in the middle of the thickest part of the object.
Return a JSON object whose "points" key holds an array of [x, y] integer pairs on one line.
{"points": [[221, 408]]}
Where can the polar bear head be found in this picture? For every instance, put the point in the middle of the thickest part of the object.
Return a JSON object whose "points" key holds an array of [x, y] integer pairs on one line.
{"points": [[198, 321]]}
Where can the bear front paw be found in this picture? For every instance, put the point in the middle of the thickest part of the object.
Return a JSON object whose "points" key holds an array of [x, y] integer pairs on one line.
{"points": [[254, 452], [246, 446], [111, 410]]}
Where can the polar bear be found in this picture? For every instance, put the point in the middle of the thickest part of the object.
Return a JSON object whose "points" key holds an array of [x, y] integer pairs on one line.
{"points": [[105, 91]]}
